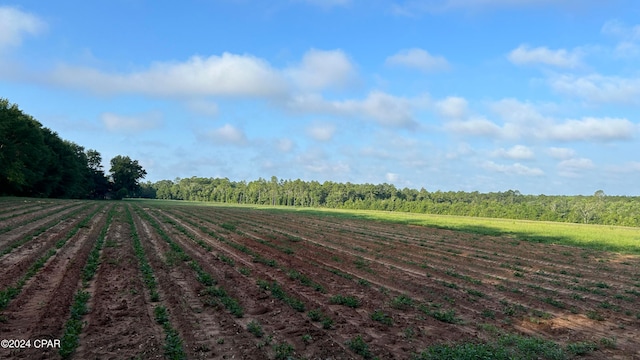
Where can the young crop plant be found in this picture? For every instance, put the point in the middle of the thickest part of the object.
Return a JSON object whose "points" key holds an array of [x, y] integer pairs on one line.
{"points": [[350, 301], [317, 315], [447, 316], [402, 302], [507, 347], [283, 351], [359, 346], [278, 292], [255, 328], [10, 292], [382, 317], [173, 348], [73, 326], [581, 348], [145, 268]]}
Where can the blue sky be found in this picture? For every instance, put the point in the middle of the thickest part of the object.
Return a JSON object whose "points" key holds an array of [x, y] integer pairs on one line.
{"points": [[540, 96]]}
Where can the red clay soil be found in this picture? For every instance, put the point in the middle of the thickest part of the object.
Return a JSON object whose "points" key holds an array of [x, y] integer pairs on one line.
{"points": [[416, 276], [42, 307], [16, 263], [557, 292], [120, 324]]}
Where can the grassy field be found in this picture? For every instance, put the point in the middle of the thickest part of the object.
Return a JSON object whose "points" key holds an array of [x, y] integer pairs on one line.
{"points": [[620, 239]]}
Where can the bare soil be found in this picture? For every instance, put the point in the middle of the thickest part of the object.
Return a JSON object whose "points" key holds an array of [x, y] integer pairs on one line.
{"points": [[434, 286]]}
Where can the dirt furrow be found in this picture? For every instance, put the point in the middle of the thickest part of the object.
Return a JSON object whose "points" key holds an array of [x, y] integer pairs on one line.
{"points": [[27, 226], [16, 263], [42, 307], [283, 322], [120, 323], [208, 332]]}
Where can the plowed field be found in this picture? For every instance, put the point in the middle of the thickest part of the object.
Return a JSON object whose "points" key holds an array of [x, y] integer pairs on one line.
{"points": [[204, 282]]}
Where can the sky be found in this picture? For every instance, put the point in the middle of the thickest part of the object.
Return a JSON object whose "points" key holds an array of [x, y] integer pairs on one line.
{"points": [[540, 96]]}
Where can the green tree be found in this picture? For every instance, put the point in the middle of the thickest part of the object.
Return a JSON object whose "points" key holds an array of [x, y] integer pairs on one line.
{"points": [[98, 182], [125, 176]]}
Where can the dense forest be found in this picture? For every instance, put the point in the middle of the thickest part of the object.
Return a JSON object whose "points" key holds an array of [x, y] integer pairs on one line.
{"points": [[36, 162], [596, 209]]}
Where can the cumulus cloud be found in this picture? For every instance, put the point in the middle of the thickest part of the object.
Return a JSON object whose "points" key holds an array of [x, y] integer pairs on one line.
{"points": [[561, 153], [226, 75], [478, 126], [202, 107], [515, 111], [452, 107], [514, 169], [525, 55], [524, 120], [418, 59], [226, 135], [15, 24], [383, 108], [573, 167], [131, 123], [323, 69], [599, 129], [598, 88], [321, 132], [517, 152]]}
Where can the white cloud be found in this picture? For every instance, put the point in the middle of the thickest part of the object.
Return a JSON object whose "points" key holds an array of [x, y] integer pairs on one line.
{"points": [[392, 177], [524, 55], [15, 24], [573, 167], [452, 107], [599, 129], [323, 69], [517, 152], [561, 153], [226, 75], [515, 169], [285, 145], [478, 126], [418, 59], [131, 124], [524, 120], [321, 132], [315, 160], [462, 150], [227, 135], [385, 109], [515, 111], [598, 88], [203, 107]]}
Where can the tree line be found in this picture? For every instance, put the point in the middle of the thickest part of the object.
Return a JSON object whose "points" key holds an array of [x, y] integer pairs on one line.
{"points": [[595, 209], [36, 162]]}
